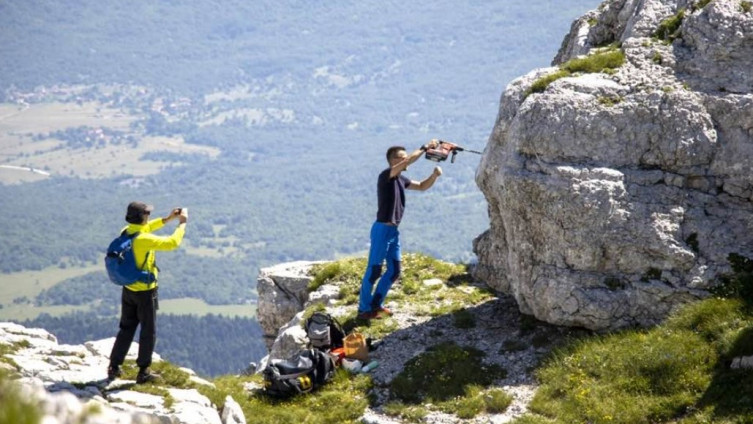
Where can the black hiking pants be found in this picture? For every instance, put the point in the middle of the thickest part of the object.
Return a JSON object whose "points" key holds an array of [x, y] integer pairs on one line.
{"points": [[136, 308]]}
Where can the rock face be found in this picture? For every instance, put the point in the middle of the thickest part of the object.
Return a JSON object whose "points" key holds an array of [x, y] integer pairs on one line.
{"points": [[282, 293], [615, 197], [67, 383]]}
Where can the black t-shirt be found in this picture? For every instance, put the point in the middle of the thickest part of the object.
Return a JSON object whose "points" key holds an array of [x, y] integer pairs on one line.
{"points": [[391, 197]]}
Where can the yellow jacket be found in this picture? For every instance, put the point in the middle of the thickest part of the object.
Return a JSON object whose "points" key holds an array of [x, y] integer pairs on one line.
{"points": [[146, 242]]}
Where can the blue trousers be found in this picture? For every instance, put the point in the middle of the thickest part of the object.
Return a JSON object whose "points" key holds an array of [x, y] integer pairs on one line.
{"points": [[385, 245]]}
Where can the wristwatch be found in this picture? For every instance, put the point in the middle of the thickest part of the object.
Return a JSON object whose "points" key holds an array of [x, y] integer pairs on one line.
{"points": [[423, 147]]}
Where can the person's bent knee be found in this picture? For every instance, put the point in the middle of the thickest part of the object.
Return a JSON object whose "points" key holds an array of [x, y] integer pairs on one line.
{"points": [[376, 272]]}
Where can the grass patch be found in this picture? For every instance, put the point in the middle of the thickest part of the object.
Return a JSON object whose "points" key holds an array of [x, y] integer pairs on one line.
{"points": [[676, 372], [170, 376], [407, 413], [610, 101], [457, 291], [475, 401], [497, 401], [609, 59], [542, 83], [700, 4], [745, 6], [442, 373], [342, 400], [533, 419], [15, 408], [9, 349], [199, 307], [739, 284], [349, 271], [669, 29], [601, 61]]}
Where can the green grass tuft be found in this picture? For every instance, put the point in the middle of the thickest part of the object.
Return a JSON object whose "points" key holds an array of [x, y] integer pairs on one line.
{"points": [[348, 271], [497, 401], [610, 101], [342, 400], [609, 59], [475, 401], [700, 4], [602, 61], [679, 369], [442, 373], [739, 284], [669, 29], [533, 419], [408, 413], [542, 83], [745, 6], [457, 292], [15, 408]]}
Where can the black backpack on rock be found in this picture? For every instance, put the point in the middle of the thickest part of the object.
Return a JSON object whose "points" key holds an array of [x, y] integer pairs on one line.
{"points": [[301, 373], [324, 331]]}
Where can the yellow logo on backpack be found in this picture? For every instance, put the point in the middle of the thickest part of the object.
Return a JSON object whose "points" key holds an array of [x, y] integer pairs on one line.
{"points": [[305, 382]]}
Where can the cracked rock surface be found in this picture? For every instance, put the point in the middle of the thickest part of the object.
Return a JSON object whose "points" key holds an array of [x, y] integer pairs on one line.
{"points": [[615, 197]]}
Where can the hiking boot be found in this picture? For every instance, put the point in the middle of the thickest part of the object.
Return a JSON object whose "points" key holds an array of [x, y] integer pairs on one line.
{"points": [[113, 373], [146, 376], [383, 311], [367, 315]]}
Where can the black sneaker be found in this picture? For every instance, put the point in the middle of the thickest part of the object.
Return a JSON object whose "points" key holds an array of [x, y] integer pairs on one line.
{"points": [[113, 373], [146, 376]]}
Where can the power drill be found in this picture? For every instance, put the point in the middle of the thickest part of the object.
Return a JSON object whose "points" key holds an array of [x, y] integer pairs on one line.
{"points": [[443, 150]]}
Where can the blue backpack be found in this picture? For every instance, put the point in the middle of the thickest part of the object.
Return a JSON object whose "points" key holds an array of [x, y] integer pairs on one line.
{"points": [[121, 264]]}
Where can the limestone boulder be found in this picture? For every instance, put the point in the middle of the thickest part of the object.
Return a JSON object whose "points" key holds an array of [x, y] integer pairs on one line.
{"points": [[283, 291], [616, 196]]}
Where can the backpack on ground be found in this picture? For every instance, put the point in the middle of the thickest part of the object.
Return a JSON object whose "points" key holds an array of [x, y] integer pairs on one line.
{"points": [[121, 263], [324, 331], [302, 373]]}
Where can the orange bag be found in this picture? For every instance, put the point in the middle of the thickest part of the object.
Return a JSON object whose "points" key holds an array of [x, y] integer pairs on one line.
{"points": [[355, 347]]}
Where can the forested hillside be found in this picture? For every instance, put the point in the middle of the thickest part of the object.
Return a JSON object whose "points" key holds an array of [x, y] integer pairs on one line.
{"points": [[210, 345], [268, 120]]}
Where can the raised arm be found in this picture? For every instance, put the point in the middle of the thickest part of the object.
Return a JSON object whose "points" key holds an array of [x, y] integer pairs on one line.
{"points": [[402, 165]]}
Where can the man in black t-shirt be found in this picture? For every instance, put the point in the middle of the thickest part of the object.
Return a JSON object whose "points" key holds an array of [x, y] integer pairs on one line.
{"points": [[385, 238]]}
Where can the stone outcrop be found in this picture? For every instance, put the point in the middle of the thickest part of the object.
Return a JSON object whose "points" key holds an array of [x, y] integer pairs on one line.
{"points": [[613, 197], [67, 383], [283, 296], [282, 293]]}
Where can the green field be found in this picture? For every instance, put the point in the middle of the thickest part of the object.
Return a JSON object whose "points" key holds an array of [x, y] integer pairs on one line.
{"points": [[30, 283], [190, 306], [18, 124]]}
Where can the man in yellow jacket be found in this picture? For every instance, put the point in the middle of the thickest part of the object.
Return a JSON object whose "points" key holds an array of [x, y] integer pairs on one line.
{"points": [[139, 300]]}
